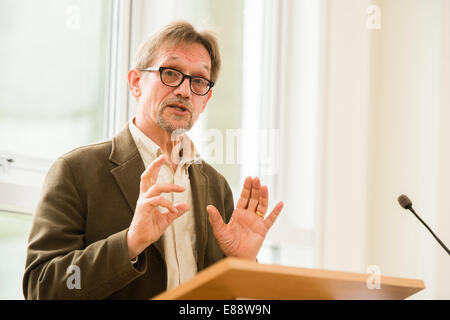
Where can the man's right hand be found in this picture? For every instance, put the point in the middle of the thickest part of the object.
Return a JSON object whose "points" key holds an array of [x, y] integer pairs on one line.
{"points": [[148, 222]]}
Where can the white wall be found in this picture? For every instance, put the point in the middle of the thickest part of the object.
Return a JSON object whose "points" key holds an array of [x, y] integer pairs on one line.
{"points": [[346, 138], [442, 221], [387, 113], [408, 143]]}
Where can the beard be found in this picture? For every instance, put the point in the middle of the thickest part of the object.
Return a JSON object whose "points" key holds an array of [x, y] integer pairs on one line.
{"points": [[168, 121]]}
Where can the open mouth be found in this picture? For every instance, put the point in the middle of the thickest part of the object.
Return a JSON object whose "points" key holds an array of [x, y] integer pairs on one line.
{"points": [[179, 108]]}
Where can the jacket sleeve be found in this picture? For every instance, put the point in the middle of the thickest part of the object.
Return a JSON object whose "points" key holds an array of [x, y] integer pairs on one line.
{"points": [[58, 264]]}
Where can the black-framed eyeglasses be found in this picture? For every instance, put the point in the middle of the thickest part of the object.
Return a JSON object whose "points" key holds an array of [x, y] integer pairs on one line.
{"points": [[173, 78]]}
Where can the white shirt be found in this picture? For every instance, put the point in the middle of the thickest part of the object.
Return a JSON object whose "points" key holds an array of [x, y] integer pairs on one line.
{"points": [[179, 240]]}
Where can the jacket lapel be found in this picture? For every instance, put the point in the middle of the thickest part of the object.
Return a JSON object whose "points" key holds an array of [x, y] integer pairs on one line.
{"points": [[199, 191], [129, 168], [128, 172]]}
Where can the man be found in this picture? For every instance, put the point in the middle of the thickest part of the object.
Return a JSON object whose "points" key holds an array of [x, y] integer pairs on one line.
{"points": [[127, 218]]}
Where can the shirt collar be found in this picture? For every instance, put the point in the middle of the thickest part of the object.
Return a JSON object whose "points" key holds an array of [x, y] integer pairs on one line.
{"points": [[184, 153]]}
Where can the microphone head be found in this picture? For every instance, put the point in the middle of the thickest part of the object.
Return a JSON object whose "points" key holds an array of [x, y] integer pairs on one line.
{"points": [[404, 201]]}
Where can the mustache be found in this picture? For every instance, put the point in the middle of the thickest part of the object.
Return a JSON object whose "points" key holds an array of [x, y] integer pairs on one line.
{"points": [[181, 101]]}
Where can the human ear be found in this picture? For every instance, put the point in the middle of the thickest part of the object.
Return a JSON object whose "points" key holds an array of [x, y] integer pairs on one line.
{"points": [[134, 77]]}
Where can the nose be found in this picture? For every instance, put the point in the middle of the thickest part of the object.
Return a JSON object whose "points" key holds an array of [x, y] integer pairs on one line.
{"points": [[184, 89]]}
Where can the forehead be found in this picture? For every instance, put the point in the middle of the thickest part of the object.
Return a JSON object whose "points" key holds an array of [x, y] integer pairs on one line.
{"points": [[193, 55]]}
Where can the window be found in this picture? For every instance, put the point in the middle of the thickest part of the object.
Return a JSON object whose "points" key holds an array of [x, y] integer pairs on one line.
{"points": [[63, 85], [54, 62], [280, 111], [14, 228]]}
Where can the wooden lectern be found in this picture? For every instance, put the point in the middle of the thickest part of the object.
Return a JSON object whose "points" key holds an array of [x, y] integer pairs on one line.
{"points": [[233, 278]]}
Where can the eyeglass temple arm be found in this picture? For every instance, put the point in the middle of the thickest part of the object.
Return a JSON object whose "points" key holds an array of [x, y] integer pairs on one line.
{"points": [[150, 69]]}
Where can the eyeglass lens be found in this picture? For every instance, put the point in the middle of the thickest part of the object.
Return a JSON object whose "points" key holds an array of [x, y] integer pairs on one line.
{"points": [[173, 78]]}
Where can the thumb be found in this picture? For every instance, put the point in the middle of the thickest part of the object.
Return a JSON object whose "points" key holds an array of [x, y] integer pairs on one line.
{"points": [[215, 218]]}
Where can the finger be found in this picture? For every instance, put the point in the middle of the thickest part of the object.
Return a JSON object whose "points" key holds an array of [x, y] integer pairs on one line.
{"points": [[150, 175], [245, 194], [254, 198], [182, 209], [263, 200], [157, 189], [270, 220], [162, 202], [215, 219]]}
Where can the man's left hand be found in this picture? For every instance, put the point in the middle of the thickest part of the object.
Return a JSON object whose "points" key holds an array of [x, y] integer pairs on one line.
{"points": [[244, 235]]}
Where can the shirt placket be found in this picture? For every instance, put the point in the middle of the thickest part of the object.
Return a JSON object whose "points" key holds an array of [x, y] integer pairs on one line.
{"points": [[179, 198], [166, 176]]}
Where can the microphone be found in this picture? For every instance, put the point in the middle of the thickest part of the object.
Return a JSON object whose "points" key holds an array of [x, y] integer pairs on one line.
{"points": [[406, 203]]}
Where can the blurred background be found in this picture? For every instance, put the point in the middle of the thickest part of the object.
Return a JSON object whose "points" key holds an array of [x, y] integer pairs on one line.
{"points": [[339, 106]]}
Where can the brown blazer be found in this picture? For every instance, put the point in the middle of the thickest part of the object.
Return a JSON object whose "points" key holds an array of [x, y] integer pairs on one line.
{"points": [[86, 206]]}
